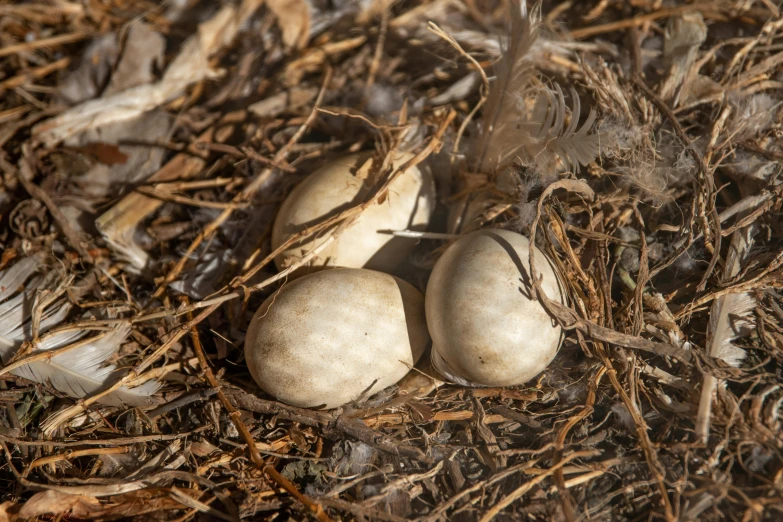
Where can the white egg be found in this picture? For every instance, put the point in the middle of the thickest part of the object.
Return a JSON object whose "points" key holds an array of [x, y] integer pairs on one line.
{"points": [[366, 243], [325, 338], [485, 328]]}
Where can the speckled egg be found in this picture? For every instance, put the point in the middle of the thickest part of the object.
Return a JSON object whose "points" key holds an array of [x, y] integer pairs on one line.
{"points": [[485, 328]]}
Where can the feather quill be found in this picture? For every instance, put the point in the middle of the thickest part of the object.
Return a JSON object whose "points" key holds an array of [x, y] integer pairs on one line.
{"points": [[77, 373], [524, 120]]}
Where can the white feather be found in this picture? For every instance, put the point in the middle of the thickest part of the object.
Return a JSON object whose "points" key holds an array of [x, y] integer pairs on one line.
{"points": [[15, 312], [16, 326], [12, 278], [730, 318], [731, 315], [574, 146], [82, 372], [79, 372]]}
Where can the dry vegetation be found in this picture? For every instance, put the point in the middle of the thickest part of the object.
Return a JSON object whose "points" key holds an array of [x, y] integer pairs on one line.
{"points": [[145, 150]]}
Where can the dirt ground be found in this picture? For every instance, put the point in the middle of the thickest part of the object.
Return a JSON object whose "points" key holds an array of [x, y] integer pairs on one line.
{"points": [[146, 148]]}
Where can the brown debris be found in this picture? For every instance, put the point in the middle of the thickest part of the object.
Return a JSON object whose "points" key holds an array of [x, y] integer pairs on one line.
{"points": [[145, 150]]}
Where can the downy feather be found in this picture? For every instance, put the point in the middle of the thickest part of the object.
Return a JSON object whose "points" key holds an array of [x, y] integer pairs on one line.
{"points": [[524, 120], [753, 115], [77, 373], [514, 77], [574, 146]]}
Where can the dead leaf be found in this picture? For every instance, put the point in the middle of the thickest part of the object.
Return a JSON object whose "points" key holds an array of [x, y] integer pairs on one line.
{"points": [[141, 55], [137, 503], [684, 35], [6, 511], [143, 51], [96, 64], [136, 508], [106, 153], [488, 453], [202, 448], [293, 17], [290, 100], [56, 503], [190, 66], [110, 174], [701, 88]]}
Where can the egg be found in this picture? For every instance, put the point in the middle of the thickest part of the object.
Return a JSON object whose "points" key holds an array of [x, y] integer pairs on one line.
{"points": [[366, 243], [486, 330], [330, 336]]}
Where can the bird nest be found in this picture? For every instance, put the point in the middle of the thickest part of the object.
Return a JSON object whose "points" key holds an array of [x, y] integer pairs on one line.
{"points": [[146, 149]]}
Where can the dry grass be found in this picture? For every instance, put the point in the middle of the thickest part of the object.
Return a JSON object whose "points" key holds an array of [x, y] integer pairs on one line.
{"points": [[155, 201]]}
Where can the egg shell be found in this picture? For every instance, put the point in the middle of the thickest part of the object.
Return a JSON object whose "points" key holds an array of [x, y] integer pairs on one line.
{"points": [[336, 187], [485, 328], [324, 338]]}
